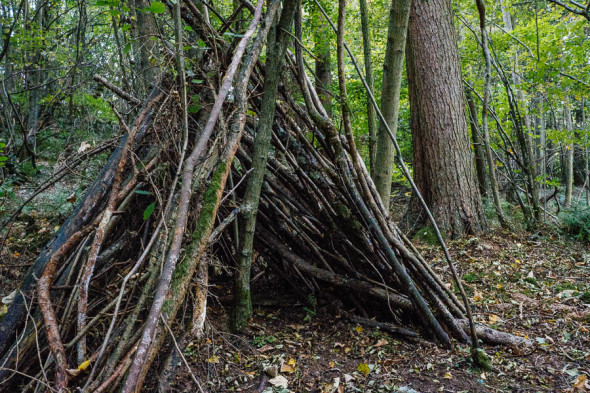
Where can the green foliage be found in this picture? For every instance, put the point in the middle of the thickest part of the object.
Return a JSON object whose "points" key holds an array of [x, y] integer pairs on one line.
{"points": [[310, 311], [156, 7], [261, 341], [3, 158], [471, 277], [427, 235], [576, 222], [147, 213]]}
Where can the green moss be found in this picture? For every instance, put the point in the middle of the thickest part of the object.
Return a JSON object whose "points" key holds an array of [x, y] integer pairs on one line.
{"points": [[342, 211], [481, 359], [471, 277], [427, 235], [201, 229]]}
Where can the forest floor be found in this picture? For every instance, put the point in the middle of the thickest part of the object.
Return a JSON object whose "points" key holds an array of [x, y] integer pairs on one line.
{"points": [[537, 287]]}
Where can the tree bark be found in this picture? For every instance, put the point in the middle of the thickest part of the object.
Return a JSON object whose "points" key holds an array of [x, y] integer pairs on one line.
{"points": [[392, 78], [371, 116], [478, 145], [147, 72], [323, 63], [443, 164], [569, 156], [277, 45]]}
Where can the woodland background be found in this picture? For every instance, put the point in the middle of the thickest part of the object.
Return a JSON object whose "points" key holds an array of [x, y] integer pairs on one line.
{"points": [[218, 175]]}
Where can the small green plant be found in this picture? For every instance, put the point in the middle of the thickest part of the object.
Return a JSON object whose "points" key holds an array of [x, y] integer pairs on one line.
{"points": [[576, 222], [310, 311], [427, 235], [471, 277], [261, 341]]}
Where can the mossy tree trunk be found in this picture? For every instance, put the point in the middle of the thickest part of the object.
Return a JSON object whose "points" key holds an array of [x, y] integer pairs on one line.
{"points": [[278, 42]]}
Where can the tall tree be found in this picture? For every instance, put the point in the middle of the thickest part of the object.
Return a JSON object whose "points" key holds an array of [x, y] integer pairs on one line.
{"points": [[569, 155], [323, 62], [443, 163], [371, 116], [484, 115], [478, 145], [35, 78], [278, 40], [147, 46], [397, 29]]}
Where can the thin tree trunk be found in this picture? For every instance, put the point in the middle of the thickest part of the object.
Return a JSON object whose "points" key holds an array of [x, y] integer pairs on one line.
{"points": [[277, 45], [397, 30], [523, 130], [478, 145], [35, 78], [484, 115], [323, 63], [147, 72], [569, 156], [371, 116]]}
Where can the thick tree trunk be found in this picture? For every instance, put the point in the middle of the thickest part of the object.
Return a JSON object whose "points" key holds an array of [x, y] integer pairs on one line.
{"points": [[392, 78], [443, 164]]}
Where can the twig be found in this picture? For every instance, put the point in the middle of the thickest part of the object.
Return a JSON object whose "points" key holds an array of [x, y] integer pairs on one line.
{"points": [[236, 186], [195, 380]]}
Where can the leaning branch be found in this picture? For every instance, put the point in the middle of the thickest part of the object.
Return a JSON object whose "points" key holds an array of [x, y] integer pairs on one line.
{"points": [[116, 89]]}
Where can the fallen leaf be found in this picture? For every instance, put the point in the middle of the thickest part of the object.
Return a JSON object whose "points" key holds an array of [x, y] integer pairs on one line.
{"points": [[84, 365], [381, 343], [84, 146], [581, 383], [364, 368], [213, 359], [288, 366], [493, 318], [279, 381], [448, 375], [477, 296], [359, 329]]}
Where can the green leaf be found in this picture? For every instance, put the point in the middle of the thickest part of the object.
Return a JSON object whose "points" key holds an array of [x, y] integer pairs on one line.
{"points": [[147, 213], [127, 48], [142, 192], [188, 28], [196, 81], [126, 27], [156, 7]]}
